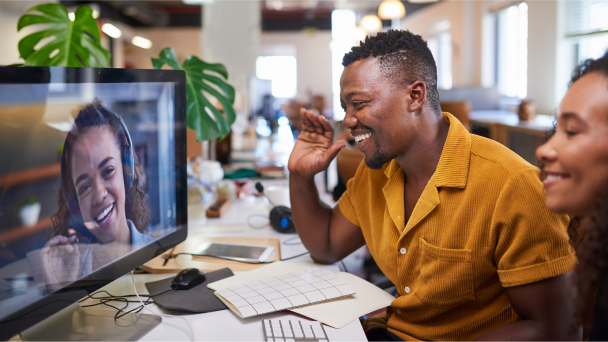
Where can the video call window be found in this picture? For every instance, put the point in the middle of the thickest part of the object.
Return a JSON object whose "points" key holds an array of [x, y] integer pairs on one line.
{"points": [[86, 178]]}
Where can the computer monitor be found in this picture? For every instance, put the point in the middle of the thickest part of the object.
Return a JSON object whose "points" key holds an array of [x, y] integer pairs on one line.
{"points": [[92, 182]]}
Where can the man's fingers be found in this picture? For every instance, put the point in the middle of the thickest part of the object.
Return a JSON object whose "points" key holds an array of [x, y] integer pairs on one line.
{"points": [[315, 121], [326, 126], [332, 152]]}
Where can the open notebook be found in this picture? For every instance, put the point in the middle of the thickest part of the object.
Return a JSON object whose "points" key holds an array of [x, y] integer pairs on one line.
{"points": [[284, 291], [336, 312]]}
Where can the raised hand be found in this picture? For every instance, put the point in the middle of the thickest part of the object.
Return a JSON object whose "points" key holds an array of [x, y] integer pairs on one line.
{"points": [[313, 150], [60, 260]]}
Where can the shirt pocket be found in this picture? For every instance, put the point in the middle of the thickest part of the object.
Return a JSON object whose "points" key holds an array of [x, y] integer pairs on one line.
{"points": [[446, 276]]}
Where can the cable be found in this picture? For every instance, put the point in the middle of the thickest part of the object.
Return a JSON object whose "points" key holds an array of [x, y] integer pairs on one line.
{"points": [[344, 266], [288, 243], [154, 313], [257, 227], [243, 261]]}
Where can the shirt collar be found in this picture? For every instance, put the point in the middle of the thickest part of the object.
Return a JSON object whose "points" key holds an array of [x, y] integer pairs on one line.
{"points": [[453, 167]]}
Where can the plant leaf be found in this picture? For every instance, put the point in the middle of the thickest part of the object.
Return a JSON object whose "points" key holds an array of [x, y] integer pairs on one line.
{"points": [[75, 44], [202, 116]]}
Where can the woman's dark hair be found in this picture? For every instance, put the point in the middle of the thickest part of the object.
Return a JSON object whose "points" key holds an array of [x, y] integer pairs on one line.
{"points": [[96, 115], [589, 236]]}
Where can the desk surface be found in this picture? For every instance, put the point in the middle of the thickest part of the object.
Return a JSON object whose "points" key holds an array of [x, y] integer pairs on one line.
{"points": [[225, 325], [541, 122]]}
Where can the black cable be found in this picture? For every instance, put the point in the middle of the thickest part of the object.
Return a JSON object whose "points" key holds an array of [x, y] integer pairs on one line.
{"points": [[243, 261], [287, 242], [257, 227], [344, 266], [111, 298]]}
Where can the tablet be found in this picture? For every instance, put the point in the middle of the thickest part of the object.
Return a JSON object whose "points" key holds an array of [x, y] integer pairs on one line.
{"points": [[236, 252]]}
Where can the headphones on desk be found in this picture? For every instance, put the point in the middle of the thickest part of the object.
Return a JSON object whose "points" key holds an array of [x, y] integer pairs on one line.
{"points": [[280, 216], [126, 152]]}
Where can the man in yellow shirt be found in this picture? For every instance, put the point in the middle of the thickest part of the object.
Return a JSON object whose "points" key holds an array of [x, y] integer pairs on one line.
{"points": [[457, 222]]}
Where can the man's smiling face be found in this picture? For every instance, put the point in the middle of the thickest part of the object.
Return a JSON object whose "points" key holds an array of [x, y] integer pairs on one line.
{"points": [[376, 111]]}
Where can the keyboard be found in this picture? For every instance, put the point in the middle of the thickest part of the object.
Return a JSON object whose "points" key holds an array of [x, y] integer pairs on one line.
{"points": [[293, 331]]}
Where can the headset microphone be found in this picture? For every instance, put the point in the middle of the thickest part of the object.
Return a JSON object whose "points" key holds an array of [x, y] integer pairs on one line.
{"points": [[280, 216]]}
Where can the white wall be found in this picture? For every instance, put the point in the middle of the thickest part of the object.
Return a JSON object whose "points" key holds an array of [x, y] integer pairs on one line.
{"points": [[313, 58], [548, 53]]}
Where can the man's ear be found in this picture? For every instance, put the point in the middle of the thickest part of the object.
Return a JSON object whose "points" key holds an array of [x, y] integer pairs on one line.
{"points": [[417, 92]]}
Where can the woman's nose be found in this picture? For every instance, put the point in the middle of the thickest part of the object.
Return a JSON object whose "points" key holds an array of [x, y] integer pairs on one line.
{"points": [[546, 152], [100, 193]]}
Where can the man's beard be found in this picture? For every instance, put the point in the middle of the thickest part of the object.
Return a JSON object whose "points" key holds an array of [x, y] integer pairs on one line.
{"points": [[378, 159]]}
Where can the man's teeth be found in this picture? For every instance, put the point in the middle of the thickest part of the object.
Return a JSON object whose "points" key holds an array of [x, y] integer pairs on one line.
{"points": [[105, 212], [554, 177], [360, 138]]}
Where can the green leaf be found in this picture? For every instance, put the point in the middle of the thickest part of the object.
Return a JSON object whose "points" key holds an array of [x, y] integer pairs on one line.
{"points": [[208, 122], [74, 44]]}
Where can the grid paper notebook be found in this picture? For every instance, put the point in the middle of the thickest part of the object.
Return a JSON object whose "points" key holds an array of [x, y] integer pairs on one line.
{"points": [[283, 292]]}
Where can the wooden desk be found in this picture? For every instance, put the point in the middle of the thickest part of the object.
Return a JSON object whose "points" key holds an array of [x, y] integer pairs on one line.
{"points": [[522, 137]]}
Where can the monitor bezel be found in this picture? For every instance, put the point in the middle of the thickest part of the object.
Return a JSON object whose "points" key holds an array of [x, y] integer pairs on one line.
{"points": [[56, 301]]}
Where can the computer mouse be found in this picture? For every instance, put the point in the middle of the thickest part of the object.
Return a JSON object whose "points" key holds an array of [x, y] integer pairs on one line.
{"points": [[187, 279]]}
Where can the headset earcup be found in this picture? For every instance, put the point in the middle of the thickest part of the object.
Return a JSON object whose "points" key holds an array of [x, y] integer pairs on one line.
{"points": [[281, 220]]}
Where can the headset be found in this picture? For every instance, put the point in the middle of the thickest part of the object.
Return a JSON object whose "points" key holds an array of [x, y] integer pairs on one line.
{"points": [[126, 152], [280, 216]]}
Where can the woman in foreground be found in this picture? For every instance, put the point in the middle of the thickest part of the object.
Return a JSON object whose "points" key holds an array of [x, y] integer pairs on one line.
{"points": [[575, 176]]}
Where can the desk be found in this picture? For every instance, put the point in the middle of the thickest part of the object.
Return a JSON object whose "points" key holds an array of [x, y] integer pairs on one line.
{"points": [[522, 137], [225, 325]]}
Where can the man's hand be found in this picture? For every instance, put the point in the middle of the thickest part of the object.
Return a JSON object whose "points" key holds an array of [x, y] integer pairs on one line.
{"points": [[313, 151]]}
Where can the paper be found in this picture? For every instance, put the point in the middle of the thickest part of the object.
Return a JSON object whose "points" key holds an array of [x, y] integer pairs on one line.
{"points": [[335, 313], [284, 291]]}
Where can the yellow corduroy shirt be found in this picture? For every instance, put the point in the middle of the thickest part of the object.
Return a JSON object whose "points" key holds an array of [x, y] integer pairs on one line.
{"points": [[480, 225]]}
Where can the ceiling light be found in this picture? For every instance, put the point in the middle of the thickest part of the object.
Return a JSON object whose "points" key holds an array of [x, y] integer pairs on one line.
{"points": [[111, 30], [197, 2], [391, 9], [276, 5], [95, 14], [72, 16], [141, 42], [371, 23], [359, 34]]}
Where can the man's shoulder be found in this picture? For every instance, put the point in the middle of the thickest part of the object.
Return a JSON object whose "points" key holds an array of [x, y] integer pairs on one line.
{"points": [[498, 157]]}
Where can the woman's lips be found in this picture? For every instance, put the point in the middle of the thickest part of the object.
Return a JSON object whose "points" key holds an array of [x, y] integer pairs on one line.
{"points": [[553, 178], [105, 215]]}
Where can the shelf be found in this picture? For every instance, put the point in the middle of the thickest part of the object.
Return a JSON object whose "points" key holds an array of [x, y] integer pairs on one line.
{"points": [[20, 232], [31, 175]]}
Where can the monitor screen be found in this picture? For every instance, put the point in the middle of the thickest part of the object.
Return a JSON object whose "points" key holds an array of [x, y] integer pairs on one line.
{"points": [[92, 181]]}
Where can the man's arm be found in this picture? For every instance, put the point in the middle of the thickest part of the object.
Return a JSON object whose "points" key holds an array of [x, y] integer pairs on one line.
{"points": [[325, 232], [546, 309]]}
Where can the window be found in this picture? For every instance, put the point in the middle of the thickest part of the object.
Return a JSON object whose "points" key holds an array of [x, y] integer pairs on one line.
{"points": [[586, 24], [440, 45], [282, 71], [512, 51]]}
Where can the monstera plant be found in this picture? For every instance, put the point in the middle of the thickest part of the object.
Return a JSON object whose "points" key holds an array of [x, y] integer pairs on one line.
{"points": [[201, 78], [75, 43]]}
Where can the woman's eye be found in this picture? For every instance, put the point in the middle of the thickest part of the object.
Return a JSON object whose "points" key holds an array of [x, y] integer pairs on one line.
{"points": [[570, 133], [83, 189], [108, 172]]}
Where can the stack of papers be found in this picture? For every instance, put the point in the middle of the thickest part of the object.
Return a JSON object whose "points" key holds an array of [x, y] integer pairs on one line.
{"points": [[284, 291], [336, 312]]}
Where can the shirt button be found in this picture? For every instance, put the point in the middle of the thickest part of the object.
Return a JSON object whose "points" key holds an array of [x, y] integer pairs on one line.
{"points": [[407, 289], [402, 250], [398, 311]]}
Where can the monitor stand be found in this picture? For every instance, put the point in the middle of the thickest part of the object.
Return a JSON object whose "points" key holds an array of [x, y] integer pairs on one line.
{"points": [[85, 324]]}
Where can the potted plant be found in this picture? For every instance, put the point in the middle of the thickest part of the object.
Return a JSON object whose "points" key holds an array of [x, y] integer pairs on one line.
{"points": [[77, 43], [29, 212]]}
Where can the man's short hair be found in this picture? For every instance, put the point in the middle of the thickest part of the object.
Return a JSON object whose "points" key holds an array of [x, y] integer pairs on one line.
{"points": [[404, 57]]}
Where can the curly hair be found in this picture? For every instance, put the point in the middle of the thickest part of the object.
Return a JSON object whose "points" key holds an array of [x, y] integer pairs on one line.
{"points": [[136, 204], [404, 57], [589, 236]]}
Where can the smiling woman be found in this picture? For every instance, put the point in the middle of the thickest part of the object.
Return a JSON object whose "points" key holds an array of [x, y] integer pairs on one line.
{"points": [[575, 176], [101, 199]]}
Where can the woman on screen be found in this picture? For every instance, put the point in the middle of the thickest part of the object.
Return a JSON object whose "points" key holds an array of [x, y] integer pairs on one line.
{"points": [[101, 188], [575, 176]]}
